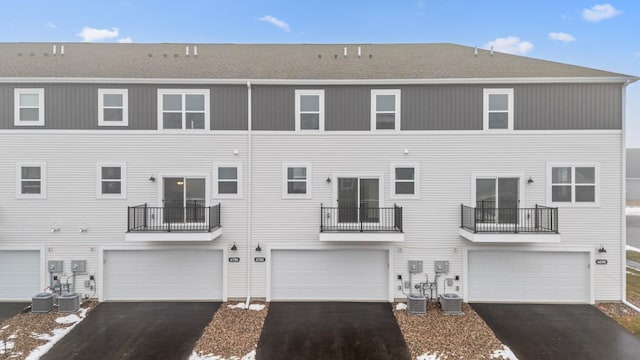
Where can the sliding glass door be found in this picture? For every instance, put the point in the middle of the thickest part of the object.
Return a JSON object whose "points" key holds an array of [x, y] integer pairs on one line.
{"points": [[497, 200], [184, 199], [358, 200]]}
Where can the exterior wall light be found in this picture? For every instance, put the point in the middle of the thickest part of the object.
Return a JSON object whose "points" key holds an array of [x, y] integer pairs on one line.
{"points": [[530, 180], [602, 249], [234, 247], [152, 178], [258, 248]]}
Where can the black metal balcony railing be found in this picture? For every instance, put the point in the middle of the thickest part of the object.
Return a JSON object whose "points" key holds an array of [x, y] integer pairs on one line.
{"points": [[143, 218], [490, 219], [360, 219]]}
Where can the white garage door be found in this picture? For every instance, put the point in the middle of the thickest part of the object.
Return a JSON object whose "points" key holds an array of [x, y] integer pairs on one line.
{"points": [[327, 275], [19, 274], [528, 276], [162, 275]]}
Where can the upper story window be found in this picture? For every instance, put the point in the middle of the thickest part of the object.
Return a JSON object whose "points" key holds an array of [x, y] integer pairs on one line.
{"points": [[31, 180], [405, 181], [296, 180], [183, 109], [111, 180], [113, 107], [310, 110], [385, 109], [227, 180], [498, 109], [575, 184], [28, 107]]}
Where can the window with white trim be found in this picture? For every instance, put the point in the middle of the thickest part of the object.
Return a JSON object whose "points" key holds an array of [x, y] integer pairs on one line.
{"points": [[183, 109], [296, 180], [31, 180], [111, 180], [385, 109], [28, 107], [405, 181], [227, 180], [574, 184], [113, 107], [310, 110], [498, 109]]}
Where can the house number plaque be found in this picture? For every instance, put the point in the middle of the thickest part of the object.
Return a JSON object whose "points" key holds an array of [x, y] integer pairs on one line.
{"points": [[234, 259], [259, 259], [601, 261]]}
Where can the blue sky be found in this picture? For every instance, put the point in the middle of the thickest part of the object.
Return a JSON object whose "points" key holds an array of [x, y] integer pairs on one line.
{"points": [[598, 34]]}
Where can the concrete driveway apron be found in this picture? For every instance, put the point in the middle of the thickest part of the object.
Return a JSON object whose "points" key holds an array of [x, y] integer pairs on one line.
{"points": [[331, 331], [132, 330], [559, 332]]}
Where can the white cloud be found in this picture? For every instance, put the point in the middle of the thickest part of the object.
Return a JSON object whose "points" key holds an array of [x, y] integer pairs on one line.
{"points": [[560, 36], [50, 25], [276, 22], [510, 45], [89, 34], [126, 40], [600, 12]]}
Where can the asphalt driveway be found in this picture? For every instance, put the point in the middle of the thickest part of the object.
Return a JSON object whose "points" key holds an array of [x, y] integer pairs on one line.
{"points": [[559, 332], [9, 309], [331, 331], [130, 330]]}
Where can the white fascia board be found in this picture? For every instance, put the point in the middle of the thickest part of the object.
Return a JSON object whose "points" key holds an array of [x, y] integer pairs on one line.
{"points": [[362, 237], [510, 238], [174, 236], [513, 80]]}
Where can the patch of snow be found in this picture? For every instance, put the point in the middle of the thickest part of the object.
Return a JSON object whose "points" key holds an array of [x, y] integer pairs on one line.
{"points": [[69, 319], [57, 334], [505, 353], [632, 273], [4, 327], [8, 346], [12, 336], [236, 306], [633, 211], [196, 356], [629, 247], [402, 306], [256, 307]]}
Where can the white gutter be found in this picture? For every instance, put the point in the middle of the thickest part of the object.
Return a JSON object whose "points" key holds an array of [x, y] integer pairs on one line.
{"points": [[631, 305], [218, 81], [249, 193]]}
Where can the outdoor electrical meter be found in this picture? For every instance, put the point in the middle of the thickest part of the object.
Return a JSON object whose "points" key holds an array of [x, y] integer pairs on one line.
{"points": [[55, 266], [441, 266], [415, 266]]}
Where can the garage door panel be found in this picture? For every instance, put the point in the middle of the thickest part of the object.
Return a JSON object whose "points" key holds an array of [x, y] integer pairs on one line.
{"points": [[163, 275], [19, 274], [358, 275], [521, 276]]}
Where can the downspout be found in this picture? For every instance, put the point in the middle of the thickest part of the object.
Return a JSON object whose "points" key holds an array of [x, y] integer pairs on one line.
{"points": [[249, 193], [623, 221]]}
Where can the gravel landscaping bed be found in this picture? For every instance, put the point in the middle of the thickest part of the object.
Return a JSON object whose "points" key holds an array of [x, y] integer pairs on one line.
{"points": [[233, 333], [439, 336], [23, 333], [623, 315]]}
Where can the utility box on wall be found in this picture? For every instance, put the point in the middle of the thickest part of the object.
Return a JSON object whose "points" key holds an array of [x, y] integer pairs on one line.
{"points": [[79, 266], [441, 266], [415, 266], [55, 266]]}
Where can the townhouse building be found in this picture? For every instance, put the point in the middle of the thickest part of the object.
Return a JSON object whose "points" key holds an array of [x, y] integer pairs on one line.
{"points": [[309, 172]]}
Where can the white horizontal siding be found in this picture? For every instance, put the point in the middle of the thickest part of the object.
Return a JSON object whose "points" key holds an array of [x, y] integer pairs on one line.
{"points": [[431, 223]]}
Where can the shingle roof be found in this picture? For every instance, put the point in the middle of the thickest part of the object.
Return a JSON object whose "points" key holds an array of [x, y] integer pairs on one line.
{"points": [[270, 61]]}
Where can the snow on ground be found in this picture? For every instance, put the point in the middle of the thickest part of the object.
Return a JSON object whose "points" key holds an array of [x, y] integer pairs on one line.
{"points": [[505, 352], [6, 346], [427, 356], [401, 306], [249, 356], [255, 307], [634, 211], [58, 334], [629, 247]]}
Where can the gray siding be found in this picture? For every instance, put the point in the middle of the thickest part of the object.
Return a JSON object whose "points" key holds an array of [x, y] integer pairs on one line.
{"points": [[568, 106], [75, 106], [347, 108], [273, 107], [442, 107]]}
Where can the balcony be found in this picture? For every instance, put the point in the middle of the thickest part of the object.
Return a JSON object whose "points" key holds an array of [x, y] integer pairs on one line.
{"points": [[178, 223], [509, 224], [365, 223]]}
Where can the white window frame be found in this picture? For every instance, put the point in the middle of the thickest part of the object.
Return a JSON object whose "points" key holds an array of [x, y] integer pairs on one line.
{"points": [[43, 180], [573, 166], [285, 180], [398, 118], [16, 107], [215, 193], [485, 108], [320, 94], [187, 175], [521, 200], [125, 107], [415, 181], [183, 92], [123, 180]]}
